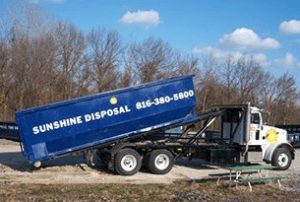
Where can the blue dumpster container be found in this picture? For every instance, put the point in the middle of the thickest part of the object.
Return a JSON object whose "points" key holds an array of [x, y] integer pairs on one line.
{"points": [[55, 129]]}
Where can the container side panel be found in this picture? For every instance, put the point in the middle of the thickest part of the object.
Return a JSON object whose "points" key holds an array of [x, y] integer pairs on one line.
{"points": [[80, 123]]}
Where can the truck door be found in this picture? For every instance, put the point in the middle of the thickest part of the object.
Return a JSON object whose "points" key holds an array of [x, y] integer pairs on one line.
{"points": [[255, 129]]}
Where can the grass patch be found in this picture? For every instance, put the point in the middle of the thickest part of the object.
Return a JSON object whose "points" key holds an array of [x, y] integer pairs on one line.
{"points": [[98, 188], [177, 191], [51, 196]]}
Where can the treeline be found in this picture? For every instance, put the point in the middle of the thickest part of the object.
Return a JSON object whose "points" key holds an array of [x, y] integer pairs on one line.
{"points": [[44, 61]]}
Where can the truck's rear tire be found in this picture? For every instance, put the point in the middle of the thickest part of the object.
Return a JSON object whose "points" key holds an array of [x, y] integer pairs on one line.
{"points": [[282, 159], [128, 162], [160, 161]]}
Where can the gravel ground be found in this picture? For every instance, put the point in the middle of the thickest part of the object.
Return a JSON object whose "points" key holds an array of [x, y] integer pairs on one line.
{"points": [[73, 170]]}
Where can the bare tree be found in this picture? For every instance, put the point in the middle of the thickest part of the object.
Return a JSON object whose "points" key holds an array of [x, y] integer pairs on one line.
{"points": [[242, 79], [70, 51], [126, 77], [184, 65], [104, 53], [229, 79], [42, 61], [150, 59], [5, 78], [285, 100], [209, 87]]}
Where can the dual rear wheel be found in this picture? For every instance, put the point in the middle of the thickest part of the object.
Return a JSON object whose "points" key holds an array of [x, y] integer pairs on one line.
{"points": [[159, 161], [128, 161]]}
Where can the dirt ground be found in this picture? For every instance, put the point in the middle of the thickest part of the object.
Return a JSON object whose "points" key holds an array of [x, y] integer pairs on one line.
{"points": [[14, 168], [68, 174]]}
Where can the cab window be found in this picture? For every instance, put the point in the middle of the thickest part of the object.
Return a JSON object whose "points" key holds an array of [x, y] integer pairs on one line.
{"points": [[255, 118]]}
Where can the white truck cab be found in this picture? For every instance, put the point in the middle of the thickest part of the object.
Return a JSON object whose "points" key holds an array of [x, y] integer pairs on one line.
{"points": [[261, 134], [243, 125]]}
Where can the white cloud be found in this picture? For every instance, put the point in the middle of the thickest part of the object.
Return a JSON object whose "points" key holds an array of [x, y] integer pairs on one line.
{"points": [[289, 61], [221, 54], [146, 18], [290, 27], [246, 39], [261, 58], [53, 1]]}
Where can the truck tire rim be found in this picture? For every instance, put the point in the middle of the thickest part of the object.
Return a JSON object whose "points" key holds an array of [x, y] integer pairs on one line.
{"points": [[283, 160], [129, 162], [162, 161]]}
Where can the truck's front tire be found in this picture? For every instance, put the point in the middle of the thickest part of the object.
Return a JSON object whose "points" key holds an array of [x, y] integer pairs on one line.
{"points": [[160, 161], [282, 159], [128, 162]]}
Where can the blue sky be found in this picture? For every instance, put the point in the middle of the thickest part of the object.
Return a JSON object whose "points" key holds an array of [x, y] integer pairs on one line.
{"points": [[268, 30]]}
